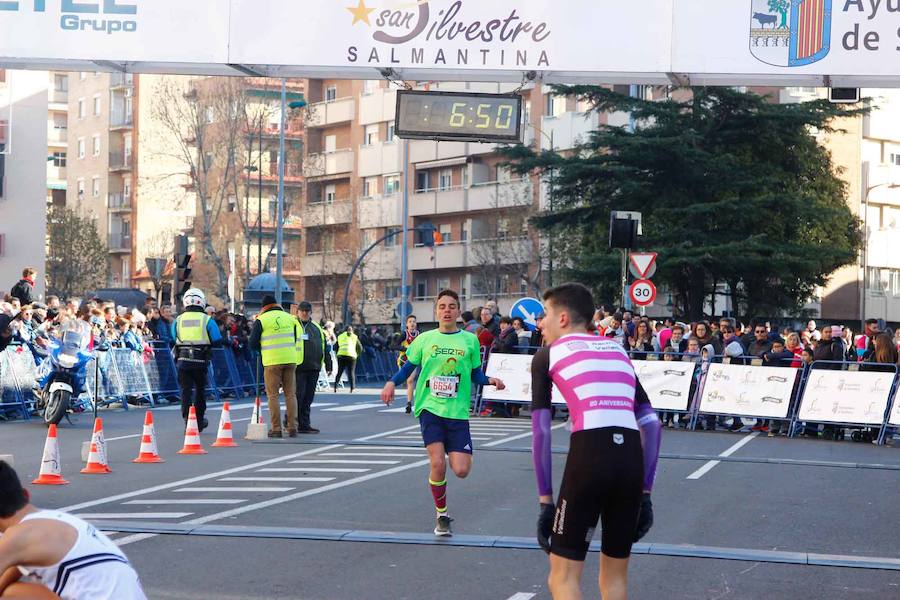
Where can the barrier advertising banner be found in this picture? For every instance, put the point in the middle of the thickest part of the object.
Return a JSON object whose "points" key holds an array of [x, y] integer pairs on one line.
{"points": [[846, 397], [894, 419], [745, 390], [667, 383], [515, 372], [738, 42]]}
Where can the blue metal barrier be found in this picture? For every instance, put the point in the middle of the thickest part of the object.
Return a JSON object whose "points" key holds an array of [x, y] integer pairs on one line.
{"points": [[161, 373], [12, 396], [223, 372], [132, 374]]}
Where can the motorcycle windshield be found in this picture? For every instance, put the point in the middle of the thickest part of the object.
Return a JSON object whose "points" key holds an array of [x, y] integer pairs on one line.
{"points": [[74, 335]]}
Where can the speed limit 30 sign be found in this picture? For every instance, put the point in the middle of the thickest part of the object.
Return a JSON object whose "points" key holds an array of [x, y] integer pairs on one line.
{"points": [[642, 292]]}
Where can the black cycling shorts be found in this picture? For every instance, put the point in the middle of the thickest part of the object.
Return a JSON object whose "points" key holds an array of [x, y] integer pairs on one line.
{"points": [[603, 480]]}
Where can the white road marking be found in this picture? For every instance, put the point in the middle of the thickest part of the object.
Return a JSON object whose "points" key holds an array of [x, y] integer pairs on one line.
{"points": [[353, 407], [233, 489], [521, 596], [518, 437], [711, 464], [402, 409], [386, 433], [408, 449], [137, 515], [182, 482], [392, 454], [314, 470], [283, 499], [241, 420], [324, 404], [124, 437], [345, 462], [277, 479], [188, 501], [218, 407]]}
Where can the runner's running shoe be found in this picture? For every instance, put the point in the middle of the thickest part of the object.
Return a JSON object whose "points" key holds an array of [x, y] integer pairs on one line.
{"points": [[443, 527]]}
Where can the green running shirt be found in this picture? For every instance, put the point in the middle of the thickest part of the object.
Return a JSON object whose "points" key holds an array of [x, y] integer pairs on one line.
{"points": [[445, 382]]}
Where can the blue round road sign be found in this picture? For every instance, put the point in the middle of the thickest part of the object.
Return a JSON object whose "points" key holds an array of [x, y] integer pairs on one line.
{"points": [[528, 309]]}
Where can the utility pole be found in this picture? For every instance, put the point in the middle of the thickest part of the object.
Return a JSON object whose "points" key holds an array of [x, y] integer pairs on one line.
{"points": [[404, 251], [279, 225]]}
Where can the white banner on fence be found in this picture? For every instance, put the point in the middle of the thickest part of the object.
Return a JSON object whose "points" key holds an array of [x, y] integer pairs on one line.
{"points": [[895, 413], [515, 372], [667, 383], [846, 397], [745, 390]]}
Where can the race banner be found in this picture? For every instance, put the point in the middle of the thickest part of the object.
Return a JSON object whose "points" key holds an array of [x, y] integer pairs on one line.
{"points": [[895, 413], [748, 391], [846, 397], [667, 383]]}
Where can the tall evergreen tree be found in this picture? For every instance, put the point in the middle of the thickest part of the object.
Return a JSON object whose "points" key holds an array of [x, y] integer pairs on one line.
{"points": [[733, 188]]}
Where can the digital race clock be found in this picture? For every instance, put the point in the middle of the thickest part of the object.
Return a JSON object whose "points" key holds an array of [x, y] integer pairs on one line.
{"points": [[458, 116]]}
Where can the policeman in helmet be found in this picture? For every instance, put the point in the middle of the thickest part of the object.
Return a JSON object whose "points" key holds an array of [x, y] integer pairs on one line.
{"points": [[195, 334]]}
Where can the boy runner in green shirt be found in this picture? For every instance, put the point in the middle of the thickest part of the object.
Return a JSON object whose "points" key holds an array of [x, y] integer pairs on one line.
{"points": [[450, 361]]}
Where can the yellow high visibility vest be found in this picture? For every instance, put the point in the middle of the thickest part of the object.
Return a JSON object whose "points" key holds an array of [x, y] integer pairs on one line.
{"points": [[278, 342], [190, 329], [300, 350], [347, 344]]}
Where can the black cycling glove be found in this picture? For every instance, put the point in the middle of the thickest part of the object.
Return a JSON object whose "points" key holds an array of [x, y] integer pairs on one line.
{"points": [[545, 525], [645, 518]]}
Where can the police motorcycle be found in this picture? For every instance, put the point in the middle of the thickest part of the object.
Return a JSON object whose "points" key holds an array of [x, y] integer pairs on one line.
{"points": [[62, 374]]}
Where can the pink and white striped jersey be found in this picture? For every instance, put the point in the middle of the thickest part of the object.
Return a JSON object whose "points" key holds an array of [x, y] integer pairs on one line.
{"points": [[596, 378]]}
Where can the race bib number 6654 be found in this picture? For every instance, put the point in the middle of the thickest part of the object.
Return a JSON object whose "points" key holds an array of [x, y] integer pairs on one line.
{"points": [[444, 387]]}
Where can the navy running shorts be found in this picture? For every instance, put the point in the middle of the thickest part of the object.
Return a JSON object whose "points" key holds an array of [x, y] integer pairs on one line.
{"points": [[453, 433]]}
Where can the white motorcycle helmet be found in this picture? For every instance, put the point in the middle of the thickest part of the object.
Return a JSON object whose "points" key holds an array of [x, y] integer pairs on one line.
{"points": [[194, 297]]}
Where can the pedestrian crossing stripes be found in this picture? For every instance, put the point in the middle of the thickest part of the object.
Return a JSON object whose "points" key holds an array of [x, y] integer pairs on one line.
{"points": [[314, 470], [135, 515], [344, 462], [353, 407], [191, 490]]}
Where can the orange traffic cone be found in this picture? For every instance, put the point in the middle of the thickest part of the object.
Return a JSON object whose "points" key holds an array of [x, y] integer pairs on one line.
{"points": [[96, 462], [50, 471], [149, 452], [225, 437], [192, 443]]}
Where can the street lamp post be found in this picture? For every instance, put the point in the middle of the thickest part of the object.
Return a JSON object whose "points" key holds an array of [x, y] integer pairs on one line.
{"points": [[279, 223]]}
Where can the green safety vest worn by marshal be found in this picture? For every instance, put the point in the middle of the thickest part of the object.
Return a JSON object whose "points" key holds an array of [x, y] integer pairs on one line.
{"points": [[302, 337], [347, 345], [192, 337], [278, 341]]}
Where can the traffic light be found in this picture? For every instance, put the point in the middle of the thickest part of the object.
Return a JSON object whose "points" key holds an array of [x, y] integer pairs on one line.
{"points": [[182, 268]]}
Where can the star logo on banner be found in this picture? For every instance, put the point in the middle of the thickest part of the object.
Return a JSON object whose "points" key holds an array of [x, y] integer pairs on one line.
{"points": [[361, 13]]}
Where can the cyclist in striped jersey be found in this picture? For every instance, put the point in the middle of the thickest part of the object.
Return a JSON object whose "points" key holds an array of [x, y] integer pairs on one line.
{"points": [[613, 450]]}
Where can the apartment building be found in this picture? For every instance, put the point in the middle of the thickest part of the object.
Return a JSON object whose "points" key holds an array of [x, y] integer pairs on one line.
{"points": [[23, 169], [57, 138], [121, 171], [867, 152], [356, 170]]}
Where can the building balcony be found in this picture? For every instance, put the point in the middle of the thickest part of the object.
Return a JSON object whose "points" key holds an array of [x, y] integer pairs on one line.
{"points": [[331, 112], [55, 174], [380, 211], [118, 203], [119, 81], [119, 243], [57, 136], [322, 214], [319, 264], [382, 263], [378, 106], [443, 256], [426, 150], [293, 175], [496, 194], [121, 121], [437, 201], [59, 97], [119, 161], [568, 129], [293, 131], [381, 158], [326, 164]]}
